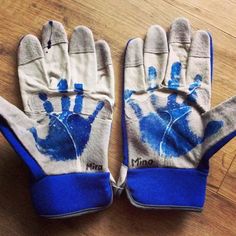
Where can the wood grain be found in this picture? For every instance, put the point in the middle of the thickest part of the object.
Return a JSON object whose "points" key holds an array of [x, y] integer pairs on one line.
{"points": [[116, 22]]}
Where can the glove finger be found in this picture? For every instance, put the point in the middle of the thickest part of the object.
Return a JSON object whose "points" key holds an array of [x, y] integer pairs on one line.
{"points": [[199, 69], [55, 46], [83, 58], [155, 56], [179, 44], [105, 80], [134, 68], [14, 116], [220, 127], [14, 125], [31, 68]]}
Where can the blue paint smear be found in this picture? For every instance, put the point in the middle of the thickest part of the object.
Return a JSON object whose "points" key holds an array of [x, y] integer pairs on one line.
{"points": [[192, 88], [154, 100], [68, 132], [99, 107], [152, 76], [128, 93], [152, 73], [212, 128], [173, 83], [137, 110], [167, 130]]}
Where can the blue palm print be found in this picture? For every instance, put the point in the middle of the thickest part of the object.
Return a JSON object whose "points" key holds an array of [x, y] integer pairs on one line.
{"points": [[68, 131], [167, 130]]}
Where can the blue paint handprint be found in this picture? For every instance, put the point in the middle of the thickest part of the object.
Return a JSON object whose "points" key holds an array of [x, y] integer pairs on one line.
{"points": [[68, 131], [167, 130]]}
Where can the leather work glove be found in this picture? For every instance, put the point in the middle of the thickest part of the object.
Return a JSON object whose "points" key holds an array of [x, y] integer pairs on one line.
{"points": [[169, 130], [63, 133]]}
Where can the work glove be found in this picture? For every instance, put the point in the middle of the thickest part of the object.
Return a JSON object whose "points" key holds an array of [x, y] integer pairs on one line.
{"points": [[63, 133], [169, 131]]}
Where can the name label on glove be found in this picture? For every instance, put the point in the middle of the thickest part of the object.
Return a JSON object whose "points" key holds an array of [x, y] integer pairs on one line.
{"points": [[93, 166], [140, 162]]}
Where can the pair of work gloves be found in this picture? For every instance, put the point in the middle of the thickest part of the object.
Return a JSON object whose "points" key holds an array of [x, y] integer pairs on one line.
{"points": [[169, 133]]}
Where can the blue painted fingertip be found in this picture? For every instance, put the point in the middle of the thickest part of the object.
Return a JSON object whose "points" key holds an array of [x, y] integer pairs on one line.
{"points": [[46, 104], [173, 83], [152, 77], [78, 87], [62, 86], [43, 96], [152, 73], [99, 107]]}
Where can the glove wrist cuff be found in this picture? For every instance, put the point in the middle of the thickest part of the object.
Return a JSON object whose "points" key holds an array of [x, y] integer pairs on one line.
{"points": [[167, 188], [59, 196]]}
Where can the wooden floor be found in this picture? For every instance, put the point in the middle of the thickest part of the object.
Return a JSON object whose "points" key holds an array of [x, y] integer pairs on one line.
{"points": [[116, 22]]}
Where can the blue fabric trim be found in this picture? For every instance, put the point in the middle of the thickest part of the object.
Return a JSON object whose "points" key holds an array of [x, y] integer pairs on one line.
{"points": [[71, 194], [211, 54], [204, 163], [123, 123], [9, 134], [167, 187]]}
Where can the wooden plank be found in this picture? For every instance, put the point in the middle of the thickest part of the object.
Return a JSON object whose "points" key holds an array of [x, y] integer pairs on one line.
{"points": [[219, 165], [206, 11], [228, 187]]}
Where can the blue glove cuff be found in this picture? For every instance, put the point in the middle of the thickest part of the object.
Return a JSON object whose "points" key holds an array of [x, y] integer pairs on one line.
{"points": [[167, 188], [66, 195]]}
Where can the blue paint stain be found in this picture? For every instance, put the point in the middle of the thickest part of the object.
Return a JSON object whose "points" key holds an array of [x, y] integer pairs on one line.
{"points": [[78, 87], [193, 87], [152, 76], [197, 82], [43, 96], [79, 97], [152, 73], [48, 106], [80, 129], [68, 132], [65, 103], [167, 130], [137, 110], [99, 107], [154, 100], [78, 103], [212, 128], [128, 93], [173, 83], [62, 86]]}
